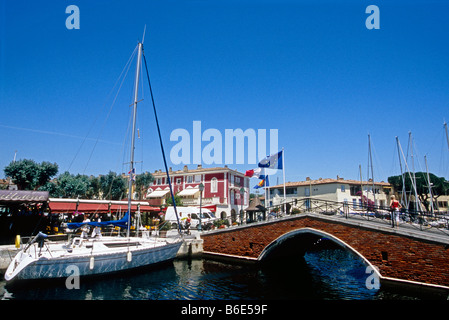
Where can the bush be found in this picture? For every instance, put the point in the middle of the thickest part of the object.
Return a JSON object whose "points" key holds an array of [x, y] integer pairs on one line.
{"points": [[221, 222]]}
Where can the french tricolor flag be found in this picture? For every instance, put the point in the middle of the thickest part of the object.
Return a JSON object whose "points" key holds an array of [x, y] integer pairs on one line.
{"points": [[253, 173]]}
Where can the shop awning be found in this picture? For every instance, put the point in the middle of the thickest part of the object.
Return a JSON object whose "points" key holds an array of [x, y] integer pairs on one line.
{"points": [[101, 206], [61, 207], [158, 194], [124, 208], [188, 192]]}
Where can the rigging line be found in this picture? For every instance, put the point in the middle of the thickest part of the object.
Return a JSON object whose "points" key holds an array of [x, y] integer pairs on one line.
{"points": [[160, 141], [85, 138], [52, 133], [110, 110]]}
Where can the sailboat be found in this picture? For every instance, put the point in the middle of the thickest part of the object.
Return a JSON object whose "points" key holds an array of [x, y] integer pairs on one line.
{"points": [[41, 259]]}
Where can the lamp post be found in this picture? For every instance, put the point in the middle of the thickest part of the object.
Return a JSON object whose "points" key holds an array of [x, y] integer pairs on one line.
{"points": [[242, 192], [201, 187]]}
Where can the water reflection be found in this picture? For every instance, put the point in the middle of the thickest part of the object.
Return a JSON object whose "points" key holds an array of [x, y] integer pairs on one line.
{"points": [[324, 274]]}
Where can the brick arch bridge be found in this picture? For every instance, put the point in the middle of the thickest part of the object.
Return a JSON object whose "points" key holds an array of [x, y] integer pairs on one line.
{"points": [[401, 256]]}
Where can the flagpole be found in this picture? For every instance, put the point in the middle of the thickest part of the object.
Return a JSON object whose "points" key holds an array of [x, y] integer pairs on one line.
{"points": [[267, 196], [283, 174]]}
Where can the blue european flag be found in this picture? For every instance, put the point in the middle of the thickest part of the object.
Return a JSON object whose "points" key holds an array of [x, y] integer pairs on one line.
{"points": [[273, 161]]}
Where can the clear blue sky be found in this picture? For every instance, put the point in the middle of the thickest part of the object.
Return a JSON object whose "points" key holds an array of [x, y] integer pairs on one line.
{"points": [[310, 69]]}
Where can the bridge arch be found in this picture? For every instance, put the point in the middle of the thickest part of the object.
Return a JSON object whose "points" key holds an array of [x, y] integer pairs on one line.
{"points": [[300, 240]]}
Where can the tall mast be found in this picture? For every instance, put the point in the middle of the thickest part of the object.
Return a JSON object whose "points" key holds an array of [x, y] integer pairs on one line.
{"points": [[370, 160], [131, 164], [404, 195], [430, 186], [417, 202]]}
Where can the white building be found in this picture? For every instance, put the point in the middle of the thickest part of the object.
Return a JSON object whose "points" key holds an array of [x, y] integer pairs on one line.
{"points": [[337, 190]]}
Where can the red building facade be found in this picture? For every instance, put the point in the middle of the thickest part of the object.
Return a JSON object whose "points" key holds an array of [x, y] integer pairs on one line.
{"points": [[222, 194]]}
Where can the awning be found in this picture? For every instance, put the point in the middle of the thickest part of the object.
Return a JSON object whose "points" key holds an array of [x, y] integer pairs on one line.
{"points": [[59, 207], [103, 207], [158, 194], [124, 208], [188, 192]]}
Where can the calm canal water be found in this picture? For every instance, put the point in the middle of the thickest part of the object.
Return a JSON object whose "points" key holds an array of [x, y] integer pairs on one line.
{"points": [[329, 274]]}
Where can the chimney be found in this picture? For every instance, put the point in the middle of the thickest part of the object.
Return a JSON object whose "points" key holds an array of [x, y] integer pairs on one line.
{"points": [[199, 166], [308, 179], [185, 168]]}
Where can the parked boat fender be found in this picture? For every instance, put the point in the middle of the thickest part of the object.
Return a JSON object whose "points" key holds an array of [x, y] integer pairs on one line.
{"points": [[129, 256], [91, 263], [18, 241]]}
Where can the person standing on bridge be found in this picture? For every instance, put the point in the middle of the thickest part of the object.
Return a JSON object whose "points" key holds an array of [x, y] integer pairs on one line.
{"points": [[395, 207]]}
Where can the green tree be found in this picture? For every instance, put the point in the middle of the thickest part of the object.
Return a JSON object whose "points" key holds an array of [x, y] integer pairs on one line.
{"points": [[439, 186], [113, 186], [93, 191], [29, 175], [143, 181], [68, 185], [178, 201]]}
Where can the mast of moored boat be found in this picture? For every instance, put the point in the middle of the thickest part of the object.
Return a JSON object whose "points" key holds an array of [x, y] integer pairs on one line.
{"points": [[447, 135], [131, 164], [370, 163], [404, 191], [429, 186]]}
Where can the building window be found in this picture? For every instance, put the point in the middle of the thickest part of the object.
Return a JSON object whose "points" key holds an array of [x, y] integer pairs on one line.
{"points": [[237, 181], [178, 180], [213, 185], [189, 179], [343, 189], [442, 204], [354, 190], [307, 192]]}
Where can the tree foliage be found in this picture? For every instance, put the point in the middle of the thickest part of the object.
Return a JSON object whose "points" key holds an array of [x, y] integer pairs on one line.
{"points": [[439, 186], [113, 186], [143, 181], [178, 201], [68, 185], [30, 175]]}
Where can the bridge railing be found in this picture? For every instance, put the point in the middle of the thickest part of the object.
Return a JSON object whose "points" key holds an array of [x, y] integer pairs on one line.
{"points": [[381, 214]]}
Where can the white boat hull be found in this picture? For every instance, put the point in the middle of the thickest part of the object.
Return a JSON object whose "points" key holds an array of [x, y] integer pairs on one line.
{"points": [[29, 265]]}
